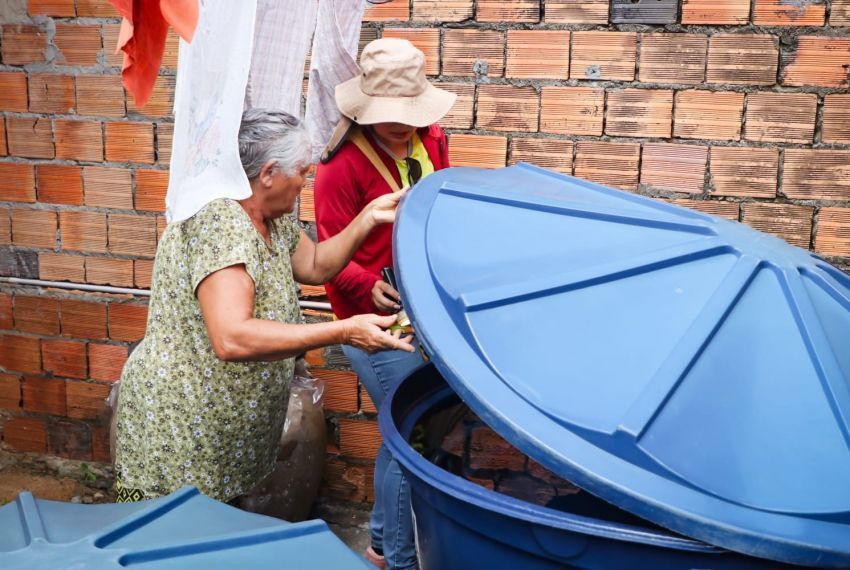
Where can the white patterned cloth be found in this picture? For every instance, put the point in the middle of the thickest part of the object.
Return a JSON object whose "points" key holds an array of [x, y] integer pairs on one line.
{"points": [[260, 65]]}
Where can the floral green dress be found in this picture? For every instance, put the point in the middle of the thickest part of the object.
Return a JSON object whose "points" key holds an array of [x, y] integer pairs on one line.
{"points": [[184, 416]]}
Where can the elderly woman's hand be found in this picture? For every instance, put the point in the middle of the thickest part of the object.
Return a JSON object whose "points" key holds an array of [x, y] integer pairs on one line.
{"points": [[368, 332], [383, 208]]}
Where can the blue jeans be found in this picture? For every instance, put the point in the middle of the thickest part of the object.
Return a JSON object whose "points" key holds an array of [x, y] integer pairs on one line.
{"points": [[391, 523]]}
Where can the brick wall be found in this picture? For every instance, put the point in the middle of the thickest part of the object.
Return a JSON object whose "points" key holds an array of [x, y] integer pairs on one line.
{"points": [[735, 107]]}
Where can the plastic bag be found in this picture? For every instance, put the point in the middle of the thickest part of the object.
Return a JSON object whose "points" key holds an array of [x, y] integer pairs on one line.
{"points": [[289, 491]]}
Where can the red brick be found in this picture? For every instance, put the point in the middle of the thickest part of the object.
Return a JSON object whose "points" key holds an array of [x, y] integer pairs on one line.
{"points": [[6, 318], [172, 47], [44, 395], [86, 400], [359, 439], [507, 108], [109, 271], [51, 93], [60, 267], [37, 315], [26, 434], [478, 150], [833, 235], [71, 440], [345, 481], [673, 58], [734, 12], [100, 443], [387, 11], [96, 9], [132, 235], [816, 174], [819, 61], [131, 142], [5, 226], [58, 184], [106, 361], [83, 319], [789, 222], [17, 182], [306, 203], [79, 140], [161, 102], [127, 322], [366, 403], [164, 137], [64, 358], [572, 110], [780, 13], [160, 227], [743, 59], [708, 115], [460, 116], [34, 228], [108, 187], [836, 119], [640, 113], [23, 44], [744, 172], [10, 392], [20, 353], [442, 10], [728, 210], [77, 44], [143, 273], [57, 8], [525, 47], [463, 48], [426, 40], [675, 167], [612, 164], [110, 42], [4, 148], [508, 11], [340, 390], [603, 55], [83, 231], [100, 95], [151, 186], [549, 153], [29, 137], [13, 91], [576, 12], [839, 14], [781, 117]]}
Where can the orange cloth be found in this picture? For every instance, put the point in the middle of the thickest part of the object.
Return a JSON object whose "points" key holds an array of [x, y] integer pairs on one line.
{"points": [[142, 38]]}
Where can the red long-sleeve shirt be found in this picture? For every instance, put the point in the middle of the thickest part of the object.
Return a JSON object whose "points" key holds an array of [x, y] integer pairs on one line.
{"points": [[343, 186]]}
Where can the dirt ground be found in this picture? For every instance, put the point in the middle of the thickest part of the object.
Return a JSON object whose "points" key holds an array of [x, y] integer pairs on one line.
{"points": [[53, 478]]}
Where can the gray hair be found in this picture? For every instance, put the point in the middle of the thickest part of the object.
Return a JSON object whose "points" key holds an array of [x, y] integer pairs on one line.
{"points": [[266, 135]]}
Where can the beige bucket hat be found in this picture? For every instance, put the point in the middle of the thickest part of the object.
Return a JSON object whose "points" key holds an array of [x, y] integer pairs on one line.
{"points": [[392, 88]]}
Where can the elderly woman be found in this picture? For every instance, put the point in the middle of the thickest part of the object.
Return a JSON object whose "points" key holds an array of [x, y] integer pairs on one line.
{"points": [[203, 396], [389, 139]]}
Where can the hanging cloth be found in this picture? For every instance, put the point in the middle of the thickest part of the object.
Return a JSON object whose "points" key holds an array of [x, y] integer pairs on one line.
{"points": [[334, 60], [212, 75], [142, 38]]}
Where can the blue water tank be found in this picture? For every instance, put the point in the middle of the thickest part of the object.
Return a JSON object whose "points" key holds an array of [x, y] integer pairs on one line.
{"points": [[184, 530], [687, 369]]}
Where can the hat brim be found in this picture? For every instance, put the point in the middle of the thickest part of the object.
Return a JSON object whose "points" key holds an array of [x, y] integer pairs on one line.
{"points": [[420, 111]]}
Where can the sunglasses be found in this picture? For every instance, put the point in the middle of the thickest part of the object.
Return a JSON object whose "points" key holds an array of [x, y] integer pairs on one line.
{"points": [[414, 170]]}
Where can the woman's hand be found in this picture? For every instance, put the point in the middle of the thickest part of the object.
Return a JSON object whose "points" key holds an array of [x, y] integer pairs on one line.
{"points": [[384, 297], [368, 333], [383, 208]]}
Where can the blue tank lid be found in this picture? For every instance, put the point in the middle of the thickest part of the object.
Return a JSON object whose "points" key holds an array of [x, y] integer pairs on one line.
{"points": [[182, 531], [686, 368]]}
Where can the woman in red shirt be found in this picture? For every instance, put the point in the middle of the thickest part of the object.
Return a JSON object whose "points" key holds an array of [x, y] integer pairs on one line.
{"points": [[388, 139]]}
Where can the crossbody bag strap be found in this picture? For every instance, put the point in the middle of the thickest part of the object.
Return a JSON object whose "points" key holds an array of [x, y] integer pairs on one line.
{"points": [[359, 139]]}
